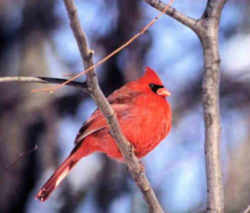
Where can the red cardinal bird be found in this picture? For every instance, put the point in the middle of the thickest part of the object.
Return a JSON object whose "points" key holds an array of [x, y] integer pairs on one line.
{"points": [[145, 119]]}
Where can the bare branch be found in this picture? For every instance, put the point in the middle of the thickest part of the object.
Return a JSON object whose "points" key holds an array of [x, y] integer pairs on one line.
{"points": [[22, 155], [207, 30], [209, 24], [22, 79], [213, 9], [125, 147], [43, 80], [172, 12]]}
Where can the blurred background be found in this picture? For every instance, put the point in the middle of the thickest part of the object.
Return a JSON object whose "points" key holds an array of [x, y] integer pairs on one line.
{"points": [[36, 40]]}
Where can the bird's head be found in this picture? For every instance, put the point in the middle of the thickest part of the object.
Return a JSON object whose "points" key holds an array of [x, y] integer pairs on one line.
{"points": [[151, 81]]}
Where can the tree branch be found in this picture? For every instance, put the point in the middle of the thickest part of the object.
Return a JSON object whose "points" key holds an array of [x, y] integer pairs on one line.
{"points": [[209, 24], [207, 28], [172, 12], [44, 80], [125, 147]]}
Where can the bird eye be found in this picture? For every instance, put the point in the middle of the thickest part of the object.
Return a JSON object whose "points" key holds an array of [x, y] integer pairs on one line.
{"points": [[155, 87]]}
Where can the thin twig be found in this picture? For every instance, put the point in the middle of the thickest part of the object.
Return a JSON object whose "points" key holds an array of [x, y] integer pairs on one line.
{"points": [[93, 66], [43, 80], [22, 155], [125, 147], [21, 79]]}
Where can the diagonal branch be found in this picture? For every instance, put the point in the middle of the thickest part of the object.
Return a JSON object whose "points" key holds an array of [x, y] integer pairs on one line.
{"points": [[172, 12], [125, 147]]}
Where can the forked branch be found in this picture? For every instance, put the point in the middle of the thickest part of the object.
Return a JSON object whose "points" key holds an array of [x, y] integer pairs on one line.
{"points": [[207, 28]]}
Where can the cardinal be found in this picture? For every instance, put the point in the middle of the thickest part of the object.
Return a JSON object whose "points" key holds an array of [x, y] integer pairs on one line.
{"points": [[144, 115]]}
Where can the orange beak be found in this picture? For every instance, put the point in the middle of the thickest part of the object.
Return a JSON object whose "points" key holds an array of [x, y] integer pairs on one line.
{"points": [[163, 92]]}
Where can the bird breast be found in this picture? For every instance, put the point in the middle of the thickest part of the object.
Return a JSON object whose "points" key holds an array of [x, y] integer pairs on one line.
{"points": [[151, 124]]}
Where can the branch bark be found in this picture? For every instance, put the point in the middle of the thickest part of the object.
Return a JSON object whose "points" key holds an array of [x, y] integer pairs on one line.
{"points": [[125, 147], [209, 24], [43, 80], [172, 12], [207, 28]]}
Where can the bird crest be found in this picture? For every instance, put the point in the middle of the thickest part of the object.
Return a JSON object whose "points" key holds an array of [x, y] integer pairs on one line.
{"points": [[150, 76]]}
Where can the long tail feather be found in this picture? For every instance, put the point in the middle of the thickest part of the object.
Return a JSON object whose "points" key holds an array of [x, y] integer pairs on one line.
{"points": [[80, 150], [56, 178]]}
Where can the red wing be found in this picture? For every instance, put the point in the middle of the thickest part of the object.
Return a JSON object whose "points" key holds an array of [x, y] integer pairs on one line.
{"points": [[97, 121], [120, 101], [124, 95]]}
